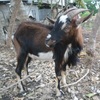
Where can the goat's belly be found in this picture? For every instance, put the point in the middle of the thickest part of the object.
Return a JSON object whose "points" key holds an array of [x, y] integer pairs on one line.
{"points": [[43, 56]]}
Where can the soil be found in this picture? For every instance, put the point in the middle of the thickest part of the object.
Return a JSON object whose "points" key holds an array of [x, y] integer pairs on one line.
{"points": [[41, 85]]}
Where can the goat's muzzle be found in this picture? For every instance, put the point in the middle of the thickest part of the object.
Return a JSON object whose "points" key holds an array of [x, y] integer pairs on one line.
{"points": [[50, 42]]}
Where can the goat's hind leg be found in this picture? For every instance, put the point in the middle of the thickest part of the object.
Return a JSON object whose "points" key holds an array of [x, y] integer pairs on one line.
{"points": [[20, 64], [28, 59]]}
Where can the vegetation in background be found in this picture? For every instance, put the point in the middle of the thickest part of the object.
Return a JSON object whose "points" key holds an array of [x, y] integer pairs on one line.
{"points": [[91, 6], [81, 3]]}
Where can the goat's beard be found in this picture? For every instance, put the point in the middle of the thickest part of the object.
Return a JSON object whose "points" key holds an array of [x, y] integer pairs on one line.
{"points": [[73, 57]]}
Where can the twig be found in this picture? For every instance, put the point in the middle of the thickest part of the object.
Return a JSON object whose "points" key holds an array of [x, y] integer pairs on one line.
{"points": [[4, 89], [77, 80], [44, 85]]}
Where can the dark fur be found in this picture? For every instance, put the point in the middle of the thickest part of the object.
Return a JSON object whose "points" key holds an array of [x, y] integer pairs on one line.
{"points": [[30, 38], [61, 37]]}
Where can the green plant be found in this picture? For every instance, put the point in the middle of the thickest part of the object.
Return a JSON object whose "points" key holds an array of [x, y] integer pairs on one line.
{"points": [[91, 6], [39, 3], [85, 14]]}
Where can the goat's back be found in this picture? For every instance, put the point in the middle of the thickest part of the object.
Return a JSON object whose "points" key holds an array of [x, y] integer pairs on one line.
{"points": [[31, 37]]}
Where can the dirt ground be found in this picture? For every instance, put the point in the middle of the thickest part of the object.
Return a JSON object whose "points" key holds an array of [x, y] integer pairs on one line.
{"points": [[42, 83]]}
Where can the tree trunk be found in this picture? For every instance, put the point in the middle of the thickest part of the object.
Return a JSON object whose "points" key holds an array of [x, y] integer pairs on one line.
{"points": [[22, 15], [17, 9], [95, 34], [12, 20]]}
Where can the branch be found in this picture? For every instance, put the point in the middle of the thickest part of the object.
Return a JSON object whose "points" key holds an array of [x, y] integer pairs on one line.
{"points": [[43, 85], [76, 81], [4, 89]]}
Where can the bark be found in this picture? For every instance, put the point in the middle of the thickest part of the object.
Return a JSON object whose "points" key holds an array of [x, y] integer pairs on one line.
{"points": [[12, 20], [95, 33], [17, 12]]}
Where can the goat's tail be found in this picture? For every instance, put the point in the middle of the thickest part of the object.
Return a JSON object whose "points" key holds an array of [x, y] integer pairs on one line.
{"points": [[16, 45]]}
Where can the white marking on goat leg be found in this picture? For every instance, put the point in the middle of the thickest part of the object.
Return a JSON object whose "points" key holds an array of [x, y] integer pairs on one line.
{"points": [[66, 55], [63, 74], [25, 67], [48, 36], [67, 51], [19, 83], [63, 18], [26, 72], [58, 93]]}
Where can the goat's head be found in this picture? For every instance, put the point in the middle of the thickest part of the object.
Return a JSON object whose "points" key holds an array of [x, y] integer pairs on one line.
{"points": [[65, 26]]}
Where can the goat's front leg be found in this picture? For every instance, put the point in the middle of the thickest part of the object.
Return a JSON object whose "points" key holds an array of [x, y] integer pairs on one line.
{"points": [[58, 80], [63, 73]]}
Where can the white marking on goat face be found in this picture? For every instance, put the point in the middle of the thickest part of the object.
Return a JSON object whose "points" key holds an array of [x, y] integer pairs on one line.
{"points": [[48, 36], [63, 18], [47, 56]]}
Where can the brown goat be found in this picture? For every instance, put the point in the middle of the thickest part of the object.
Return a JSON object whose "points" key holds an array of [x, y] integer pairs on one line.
{"points": [[30, 39], [67, 30]]}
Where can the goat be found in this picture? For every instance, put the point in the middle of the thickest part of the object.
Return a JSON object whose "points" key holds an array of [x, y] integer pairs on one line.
{"points": [[29, 39], [33, 38], [67, 30]]}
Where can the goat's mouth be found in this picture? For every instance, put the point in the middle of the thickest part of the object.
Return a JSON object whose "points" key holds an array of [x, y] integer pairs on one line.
{"points": [[50, 43]]}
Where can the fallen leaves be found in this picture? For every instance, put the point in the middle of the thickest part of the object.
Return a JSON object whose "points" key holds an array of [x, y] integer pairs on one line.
{"points": [[42, 83]]}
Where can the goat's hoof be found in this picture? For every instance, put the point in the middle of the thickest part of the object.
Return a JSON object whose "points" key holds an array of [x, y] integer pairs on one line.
{"points": [[22, 90], [22, 93], [60, 93]]}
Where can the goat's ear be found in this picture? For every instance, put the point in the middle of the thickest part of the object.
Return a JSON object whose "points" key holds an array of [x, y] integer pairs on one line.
{"points": [[52, 21], [81, 20]]}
